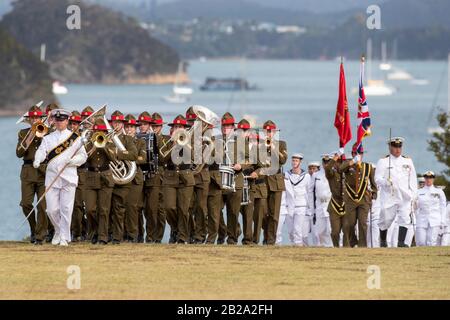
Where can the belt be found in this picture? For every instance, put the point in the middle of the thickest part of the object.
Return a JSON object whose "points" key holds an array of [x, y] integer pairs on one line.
{"points": [[98, 169], [214, 167], [27, 161], [180, 167], [259, 181], [83, 166]]}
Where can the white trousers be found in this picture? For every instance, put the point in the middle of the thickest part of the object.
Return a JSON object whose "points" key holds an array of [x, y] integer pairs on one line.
{"points": [[59, 209], [322, 232], [373, 232], [298, 225], [400, 212], [427, 236], [392, 235], [445, 240]]}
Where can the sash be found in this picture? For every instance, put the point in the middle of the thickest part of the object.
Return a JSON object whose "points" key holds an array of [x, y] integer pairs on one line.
{"points": [[359, 194], [338, 208], [63, 146]]}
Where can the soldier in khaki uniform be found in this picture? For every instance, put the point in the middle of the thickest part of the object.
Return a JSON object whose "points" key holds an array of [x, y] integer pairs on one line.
{"points": [[135, 197], [32, 180], [360, 190], [336, 207], [120, 191], [99, 187], [86, 112], [178, 187], [276, 151], [215, 204], [154, 197], [198, 209], [251, 173], [79, 223], [145, 128]]}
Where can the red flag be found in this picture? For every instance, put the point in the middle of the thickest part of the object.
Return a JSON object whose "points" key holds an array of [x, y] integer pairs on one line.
{"points": [[342, 119]]}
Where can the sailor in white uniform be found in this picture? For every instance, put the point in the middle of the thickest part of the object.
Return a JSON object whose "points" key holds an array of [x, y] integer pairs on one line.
{"points": [[431, 213], [64, 151], [319, 195], [445, 239], [396, 178], [298, 219], [373, 231]]}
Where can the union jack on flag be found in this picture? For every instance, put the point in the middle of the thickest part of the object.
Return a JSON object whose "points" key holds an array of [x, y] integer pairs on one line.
{"points": [[363, 112]]}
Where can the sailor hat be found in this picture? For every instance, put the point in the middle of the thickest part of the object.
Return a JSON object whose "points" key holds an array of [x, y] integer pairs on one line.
{"points": [[396, 141], [314, 164], [60, 114], [429, 174], [297, 155]]}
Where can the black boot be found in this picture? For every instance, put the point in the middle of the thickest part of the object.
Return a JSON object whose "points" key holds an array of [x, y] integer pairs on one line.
{"points": [[32, 238], [173, 237], [383, 236], [402, 231]]}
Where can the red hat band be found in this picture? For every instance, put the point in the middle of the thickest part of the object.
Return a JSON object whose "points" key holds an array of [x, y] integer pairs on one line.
{"points": [[228, 121], [244, 126], [86, 113], [117, 118], [145, 118], [270, 127], [36, 113], [75, 118], [100, 127]]}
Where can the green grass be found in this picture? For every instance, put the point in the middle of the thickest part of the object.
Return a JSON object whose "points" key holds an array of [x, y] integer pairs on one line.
{"points": [[221, 272]]}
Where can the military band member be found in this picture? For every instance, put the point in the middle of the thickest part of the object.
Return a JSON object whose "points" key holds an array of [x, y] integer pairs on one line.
{"points": [[178, 187], [154, 204], [360, 190], [79, 223], [431, 213], [32, 180], [86, 112], [145, 128], [64, 151], [336, 207], [134, 201], [198, 209], [99, 186], [396, 178], [277, 151], [120, 191]]}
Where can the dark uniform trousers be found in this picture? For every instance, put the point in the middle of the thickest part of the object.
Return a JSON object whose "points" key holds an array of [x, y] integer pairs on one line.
{"points": [[78, 224], [154, 211], [135, 197], [198, 210], [120, 192], [178, 187], [247, 219], [355, 212], [99, 187], [232, 202], [215, 204], [337, 224], [32, 184], [275, 184], [259, 190]]}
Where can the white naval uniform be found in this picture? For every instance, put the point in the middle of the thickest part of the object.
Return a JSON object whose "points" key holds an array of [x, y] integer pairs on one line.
{"points": [[445, 240], [297, 216], [373, 218], [61, 196], [322, 228], [396, 199], [430, 215]]}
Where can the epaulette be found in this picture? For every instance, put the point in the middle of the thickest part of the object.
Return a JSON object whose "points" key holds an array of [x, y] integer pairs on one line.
{"points": [[387, 156], [405, 157]]}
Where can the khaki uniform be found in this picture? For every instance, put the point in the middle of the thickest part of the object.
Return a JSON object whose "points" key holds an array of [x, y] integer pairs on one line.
{"points": [[360, 186], [154, 210], [275, 186], [120, 192], [199, 205], [135, 198], [178, 187], [215, 205], [79, 223], [32, 183], [99, 187], [336, 207]]}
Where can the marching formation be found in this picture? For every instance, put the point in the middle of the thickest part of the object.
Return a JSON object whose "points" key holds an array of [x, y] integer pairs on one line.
{"points": [[110, 180]]}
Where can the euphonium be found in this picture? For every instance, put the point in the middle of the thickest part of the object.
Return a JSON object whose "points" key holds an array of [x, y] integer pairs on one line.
{"points": [[123, 172]]}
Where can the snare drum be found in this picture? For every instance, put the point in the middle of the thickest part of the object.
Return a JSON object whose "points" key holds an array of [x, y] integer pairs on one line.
{"points": [[227, 175]]}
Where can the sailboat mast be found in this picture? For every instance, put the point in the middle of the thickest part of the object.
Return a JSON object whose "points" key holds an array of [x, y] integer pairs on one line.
{"points": [[369, 59]]}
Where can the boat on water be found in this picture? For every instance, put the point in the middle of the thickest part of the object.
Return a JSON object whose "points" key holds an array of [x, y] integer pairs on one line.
{"points": [[227, 84], [378, 88], [180, 94], [399, 74], [58, 88]]}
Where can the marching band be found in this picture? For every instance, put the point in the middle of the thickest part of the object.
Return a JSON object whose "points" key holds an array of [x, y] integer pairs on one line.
{"points": [[121, 179]]}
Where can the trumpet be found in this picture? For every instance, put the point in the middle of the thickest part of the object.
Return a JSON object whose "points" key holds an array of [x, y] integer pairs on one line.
{"points": [[180, 138], [100, 139], [268, 142], [38, 129]]}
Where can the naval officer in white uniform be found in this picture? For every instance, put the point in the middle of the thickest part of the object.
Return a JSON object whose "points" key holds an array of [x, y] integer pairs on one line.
{"points": [[431, 213], [64, 151], [396, 177]]}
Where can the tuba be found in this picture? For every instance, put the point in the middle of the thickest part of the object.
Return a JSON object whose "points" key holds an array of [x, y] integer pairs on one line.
{"points": [[123, 172]]}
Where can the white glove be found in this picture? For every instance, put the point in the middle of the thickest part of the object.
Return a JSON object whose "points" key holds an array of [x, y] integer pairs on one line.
{"points": [[36, 164], [340, 152], [357, 158]]}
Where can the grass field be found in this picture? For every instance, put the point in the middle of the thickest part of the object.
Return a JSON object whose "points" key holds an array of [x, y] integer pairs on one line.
{"points": [[221, 272]]}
